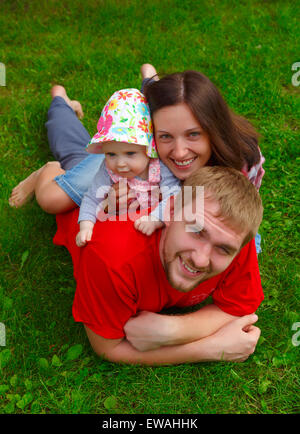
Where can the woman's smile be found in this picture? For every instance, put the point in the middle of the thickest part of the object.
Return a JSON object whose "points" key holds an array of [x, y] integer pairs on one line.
{"points": [[183, 163]]}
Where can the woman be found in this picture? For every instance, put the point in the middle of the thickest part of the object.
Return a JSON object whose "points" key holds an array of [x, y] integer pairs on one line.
{"points": [[193, 127]]}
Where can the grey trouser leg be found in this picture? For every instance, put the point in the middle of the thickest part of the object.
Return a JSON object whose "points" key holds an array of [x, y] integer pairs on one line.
{"points": [[66, 135]]}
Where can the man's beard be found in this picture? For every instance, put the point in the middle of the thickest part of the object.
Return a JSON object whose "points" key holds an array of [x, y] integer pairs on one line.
{"points": [[169, 261], [173, 283]]}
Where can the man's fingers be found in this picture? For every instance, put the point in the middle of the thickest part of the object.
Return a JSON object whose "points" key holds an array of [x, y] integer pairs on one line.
{"points": [[104, 203], [254, 332], [120, 188], [247, 320], [122, 200], [131, 194], [134, 205]]}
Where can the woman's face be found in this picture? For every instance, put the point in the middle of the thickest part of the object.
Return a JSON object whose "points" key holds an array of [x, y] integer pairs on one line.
{"points": [[181, 143]]}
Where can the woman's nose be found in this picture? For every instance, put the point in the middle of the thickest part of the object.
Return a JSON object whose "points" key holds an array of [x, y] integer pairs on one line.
{"points": [[180, 150]]}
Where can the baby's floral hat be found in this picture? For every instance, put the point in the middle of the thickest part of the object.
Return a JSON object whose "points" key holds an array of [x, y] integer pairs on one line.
{"points": [[125, 118]]}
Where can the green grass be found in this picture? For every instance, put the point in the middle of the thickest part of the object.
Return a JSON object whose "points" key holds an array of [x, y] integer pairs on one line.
{"points": [[93, 48]]}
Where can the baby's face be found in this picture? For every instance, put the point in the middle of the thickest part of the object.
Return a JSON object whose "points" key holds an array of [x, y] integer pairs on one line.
{"points": [[126, 159]]}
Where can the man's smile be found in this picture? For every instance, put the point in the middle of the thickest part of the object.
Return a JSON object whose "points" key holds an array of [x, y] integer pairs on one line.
{"points": [[189, 270]]}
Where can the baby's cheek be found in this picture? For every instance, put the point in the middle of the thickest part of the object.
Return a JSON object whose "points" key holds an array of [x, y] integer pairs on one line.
{"points": [[109, 164]]}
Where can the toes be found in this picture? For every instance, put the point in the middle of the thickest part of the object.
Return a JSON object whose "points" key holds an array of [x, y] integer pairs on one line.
{"points": [[76, 106], [15, 190], [12, 202], [79, 114]]}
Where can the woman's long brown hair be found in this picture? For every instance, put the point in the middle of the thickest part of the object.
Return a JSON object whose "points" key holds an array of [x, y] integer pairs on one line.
{"points": [[233, 139]]}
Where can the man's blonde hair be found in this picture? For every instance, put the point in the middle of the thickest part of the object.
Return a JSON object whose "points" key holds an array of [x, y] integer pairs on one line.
{"points": [[240, 203]]}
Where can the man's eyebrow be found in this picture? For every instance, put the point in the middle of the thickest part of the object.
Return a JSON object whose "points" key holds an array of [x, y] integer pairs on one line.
{"points": [[228, 247], [197, 226]]}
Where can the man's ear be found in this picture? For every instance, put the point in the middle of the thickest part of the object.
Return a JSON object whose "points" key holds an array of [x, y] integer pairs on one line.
{"points": [[169, 210]]}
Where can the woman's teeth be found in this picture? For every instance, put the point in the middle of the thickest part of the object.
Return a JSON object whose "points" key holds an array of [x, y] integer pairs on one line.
{"points": [[185, 162]]}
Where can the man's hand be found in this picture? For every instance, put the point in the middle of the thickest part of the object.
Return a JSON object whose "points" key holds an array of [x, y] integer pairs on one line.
{"points": [[120, 198], [236, 341], [148, 331]]}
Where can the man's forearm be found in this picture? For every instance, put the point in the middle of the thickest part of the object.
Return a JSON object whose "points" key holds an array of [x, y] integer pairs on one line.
{"points": [[150, 330], [121, 351], [193, 352], [197, 325]]}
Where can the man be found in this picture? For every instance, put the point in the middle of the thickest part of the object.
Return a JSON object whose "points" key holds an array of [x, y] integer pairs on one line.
{"points": [[124, 278]]}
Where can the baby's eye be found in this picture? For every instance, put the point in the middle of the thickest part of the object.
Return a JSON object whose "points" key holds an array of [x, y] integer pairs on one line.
{"points": [[110, 154], [130, 153]]}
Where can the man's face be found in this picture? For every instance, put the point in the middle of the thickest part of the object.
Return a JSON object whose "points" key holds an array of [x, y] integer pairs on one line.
{"points": [[190, 255]]}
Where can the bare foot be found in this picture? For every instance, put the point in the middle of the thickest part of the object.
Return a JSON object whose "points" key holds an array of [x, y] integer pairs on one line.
{"points": [[148, 71], [76, 106], [58, 90], [24, 191]]}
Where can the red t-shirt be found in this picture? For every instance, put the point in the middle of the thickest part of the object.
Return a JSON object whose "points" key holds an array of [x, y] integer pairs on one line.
{"points": [[119, 273]]}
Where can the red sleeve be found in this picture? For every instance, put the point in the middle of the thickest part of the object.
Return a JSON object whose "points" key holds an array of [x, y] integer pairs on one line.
{"points": [[104, 299], [240, 292]]}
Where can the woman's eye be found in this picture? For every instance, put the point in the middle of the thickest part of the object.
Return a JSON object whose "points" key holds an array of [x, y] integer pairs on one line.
{"points": [[164, 136], [110, 154], [195, 134]]}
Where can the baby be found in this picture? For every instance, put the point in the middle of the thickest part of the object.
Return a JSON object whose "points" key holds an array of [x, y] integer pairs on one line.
{"points": [[125, 136]]}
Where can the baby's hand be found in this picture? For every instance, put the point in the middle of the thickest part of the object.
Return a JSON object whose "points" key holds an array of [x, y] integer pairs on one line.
{"points": [[147, 224], [85, 233]]}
